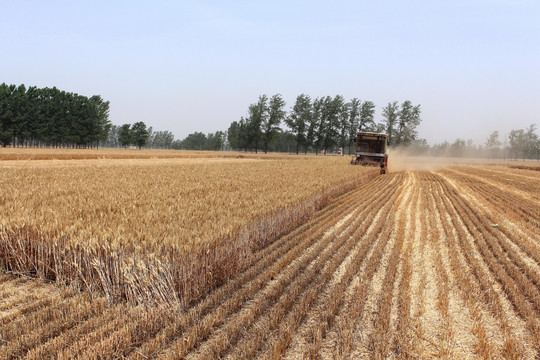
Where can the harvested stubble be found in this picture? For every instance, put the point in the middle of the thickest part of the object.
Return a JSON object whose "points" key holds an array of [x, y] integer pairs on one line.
{"points": [[158, 231], [476, 287], [407, 266], [364, 231]]}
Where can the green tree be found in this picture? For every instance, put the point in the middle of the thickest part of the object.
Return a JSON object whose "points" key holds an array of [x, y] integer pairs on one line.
{"points": [[353, 123], [21, 114], [344, 129], [125, 135], [233, 135], [271, 122], [390, 116], [299, 119], [176, 144], [32, 111], [51, 116], [214, 141], [319, 124], [408, 120], [367, 116], [6, 114], [257, 116], [285, 141], [100, 124], [244, 134], [332, 109], [195, 141], [140, 134]]}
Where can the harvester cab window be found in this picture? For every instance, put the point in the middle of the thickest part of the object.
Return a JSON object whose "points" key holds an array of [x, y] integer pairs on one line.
{"points": [[376, 146], [363, 146], [370, 146]]}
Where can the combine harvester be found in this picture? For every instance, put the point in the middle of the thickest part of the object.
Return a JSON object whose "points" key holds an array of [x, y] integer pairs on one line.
{"points": [[371, 150]]}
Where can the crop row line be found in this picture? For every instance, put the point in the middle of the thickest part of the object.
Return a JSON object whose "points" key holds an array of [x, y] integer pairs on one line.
{"points": [[335, 297], [482, 283], [345, 325], [496, 269], [316, 263]]}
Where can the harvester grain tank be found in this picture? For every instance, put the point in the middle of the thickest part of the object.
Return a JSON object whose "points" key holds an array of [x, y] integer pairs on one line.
{"points": [[371, 150]]}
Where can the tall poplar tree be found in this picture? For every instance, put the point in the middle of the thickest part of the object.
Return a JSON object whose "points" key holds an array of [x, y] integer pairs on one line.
{"points": [[299, 119], [390, 116], [125, 136], [257, 114], [272, 120], [367, 116], [354, 118], [408, 120]]}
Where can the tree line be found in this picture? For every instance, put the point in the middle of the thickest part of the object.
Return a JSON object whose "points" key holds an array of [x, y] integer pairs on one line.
{"points": [[136, 134], [51, 117], [200, 141], [127, 135], [139, 135], [321, 124], [523, 143]]}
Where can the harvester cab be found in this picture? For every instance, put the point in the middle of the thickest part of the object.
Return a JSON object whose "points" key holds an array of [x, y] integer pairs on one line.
{"points": [[371, 150]]}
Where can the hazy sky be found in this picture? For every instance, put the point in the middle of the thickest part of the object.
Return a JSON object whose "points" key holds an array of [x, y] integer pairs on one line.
{"points": [[185, 66]]}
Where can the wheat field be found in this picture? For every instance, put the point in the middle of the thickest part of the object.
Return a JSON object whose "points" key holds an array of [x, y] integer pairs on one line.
{"points": [[156, 229], [417, 263]]}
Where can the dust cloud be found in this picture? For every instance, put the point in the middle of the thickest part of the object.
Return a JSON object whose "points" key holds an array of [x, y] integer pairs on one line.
{"points": [[400, 160]]}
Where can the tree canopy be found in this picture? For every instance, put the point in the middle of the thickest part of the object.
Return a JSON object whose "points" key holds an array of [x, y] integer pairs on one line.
{"points": [[52, 117], [322, 124], [49, 116], [200, 141]]}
